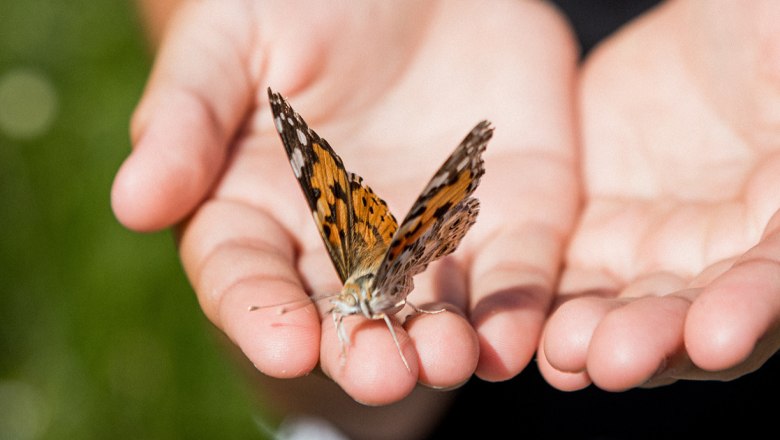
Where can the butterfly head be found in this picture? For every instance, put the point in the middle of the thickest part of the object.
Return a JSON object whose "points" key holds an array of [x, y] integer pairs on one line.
{"points": [[360, 297]]}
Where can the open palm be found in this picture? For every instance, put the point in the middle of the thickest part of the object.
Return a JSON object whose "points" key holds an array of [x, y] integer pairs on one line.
{"points": [[393, 90], [673, 272]]}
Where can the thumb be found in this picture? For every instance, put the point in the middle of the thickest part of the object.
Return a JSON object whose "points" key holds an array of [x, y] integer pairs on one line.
{"points": [[197, 95]]}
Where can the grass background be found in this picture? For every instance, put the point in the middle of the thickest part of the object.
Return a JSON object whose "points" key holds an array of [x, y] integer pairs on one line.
{"points": [[100, 333]]}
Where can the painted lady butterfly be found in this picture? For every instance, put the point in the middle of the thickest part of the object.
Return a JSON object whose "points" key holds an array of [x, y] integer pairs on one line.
{"points": [[374, 257]]}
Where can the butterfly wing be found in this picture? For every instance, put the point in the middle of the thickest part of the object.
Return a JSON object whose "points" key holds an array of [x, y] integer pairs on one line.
{"points": [[373, 225], [438, 220], [355, 224]]}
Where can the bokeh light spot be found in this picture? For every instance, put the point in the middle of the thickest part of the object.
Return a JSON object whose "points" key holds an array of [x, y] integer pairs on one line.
{"points": [[23, 411], [28, 103]]}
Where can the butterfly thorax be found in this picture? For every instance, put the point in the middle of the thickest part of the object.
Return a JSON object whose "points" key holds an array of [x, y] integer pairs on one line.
{"points": [[359, 295]]}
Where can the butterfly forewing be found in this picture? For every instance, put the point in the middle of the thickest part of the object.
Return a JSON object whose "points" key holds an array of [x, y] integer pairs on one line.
{"points": [[322, 177], [354, 222], [440, 217]]}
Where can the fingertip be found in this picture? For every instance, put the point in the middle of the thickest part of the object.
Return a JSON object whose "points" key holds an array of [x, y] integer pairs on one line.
{"points": [[447, 347], [732, 316], [172, 167], [371, 371], [509, 323], [569, 331], [281, 345], [286, 350], [138, 200], [617, 364], [561, 380], [505, 346], [718, 333], [635, 342]]}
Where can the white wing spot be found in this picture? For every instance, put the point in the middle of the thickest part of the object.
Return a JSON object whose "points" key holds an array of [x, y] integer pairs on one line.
{"points": [[279, 126], [296, 160], [302, 137], [436, 181]]}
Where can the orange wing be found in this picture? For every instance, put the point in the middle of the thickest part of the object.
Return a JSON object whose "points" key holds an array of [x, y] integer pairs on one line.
{"points": [[373, 225], [355, 224]]}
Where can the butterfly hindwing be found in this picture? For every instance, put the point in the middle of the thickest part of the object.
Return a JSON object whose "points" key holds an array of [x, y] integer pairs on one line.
{"points": [[373, 224], [440, 217]]}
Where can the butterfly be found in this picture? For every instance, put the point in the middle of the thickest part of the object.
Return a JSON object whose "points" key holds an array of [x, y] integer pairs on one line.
{"points": [[376, 258]]}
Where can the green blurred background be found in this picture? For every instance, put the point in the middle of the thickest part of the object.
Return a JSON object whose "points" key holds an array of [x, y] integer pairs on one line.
{"points": [[100, 333]]}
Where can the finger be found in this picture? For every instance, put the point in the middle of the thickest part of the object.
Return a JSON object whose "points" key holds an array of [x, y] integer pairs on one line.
{"points": [[441, 350], [446, 343], [370, 369], [573, 332], [197, 96], [737, 314], [237, 258], [511, 283], [447, 347], [562, 380], [569, 332], [635, 342]]}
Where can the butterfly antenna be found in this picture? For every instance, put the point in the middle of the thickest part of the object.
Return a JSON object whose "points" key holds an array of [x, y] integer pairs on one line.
{"points": [[294, 304]]}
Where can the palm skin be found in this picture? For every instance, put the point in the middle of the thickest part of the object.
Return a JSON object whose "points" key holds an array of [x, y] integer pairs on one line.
{"points": [[393, 95], [673, 272]]}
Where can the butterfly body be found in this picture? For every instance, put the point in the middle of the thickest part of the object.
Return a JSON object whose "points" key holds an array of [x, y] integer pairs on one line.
{"points": [[376, 258], [360, 296]]}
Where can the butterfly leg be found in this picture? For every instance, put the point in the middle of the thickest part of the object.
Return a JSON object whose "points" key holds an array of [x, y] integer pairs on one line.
{"points": [[338, 322], [421, 311], [395, 339]]}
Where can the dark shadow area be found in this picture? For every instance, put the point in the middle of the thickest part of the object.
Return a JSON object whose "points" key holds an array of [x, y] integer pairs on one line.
{"points": [[594, 20], [527, 407]]}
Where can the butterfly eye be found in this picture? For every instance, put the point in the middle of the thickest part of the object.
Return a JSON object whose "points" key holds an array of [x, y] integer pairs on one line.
{"points": [[349, 295]]}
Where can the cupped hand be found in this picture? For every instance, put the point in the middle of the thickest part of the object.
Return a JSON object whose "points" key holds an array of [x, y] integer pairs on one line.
{"points": [[674, 271], [393, 88]]}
